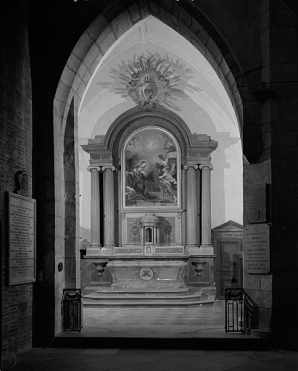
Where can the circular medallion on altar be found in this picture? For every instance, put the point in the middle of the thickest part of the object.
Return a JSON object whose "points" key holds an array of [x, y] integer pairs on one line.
{"points": [[146, 273]]}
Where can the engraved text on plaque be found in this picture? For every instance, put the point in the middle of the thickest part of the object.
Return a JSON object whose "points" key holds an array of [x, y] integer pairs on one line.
{"points": [[22, 254]]}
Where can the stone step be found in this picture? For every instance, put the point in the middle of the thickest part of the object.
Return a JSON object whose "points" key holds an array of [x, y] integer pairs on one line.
{"points": [[137, 301], [182, 291], [108, 290], [141, 297], [139, 292], [224, 342]]}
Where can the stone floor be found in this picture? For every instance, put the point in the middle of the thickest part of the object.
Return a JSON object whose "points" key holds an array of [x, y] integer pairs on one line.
{"points": [[162, 327], [122, 359], [121, 326], [155, 322]]}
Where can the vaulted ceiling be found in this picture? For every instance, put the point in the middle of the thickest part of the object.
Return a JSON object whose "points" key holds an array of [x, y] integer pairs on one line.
{"points": [[206, 104]]}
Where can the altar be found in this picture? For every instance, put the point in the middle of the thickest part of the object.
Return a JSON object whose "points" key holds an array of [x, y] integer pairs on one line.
{"points": [[151, 204], [148, 273]]}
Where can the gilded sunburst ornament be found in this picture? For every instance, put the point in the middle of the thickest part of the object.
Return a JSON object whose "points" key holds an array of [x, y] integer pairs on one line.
{"points": [[149, 81]]}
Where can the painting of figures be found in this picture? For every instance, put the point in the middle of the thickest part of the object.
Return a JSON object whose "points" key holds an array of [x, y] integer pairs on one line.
{"points": [[152, 169]]}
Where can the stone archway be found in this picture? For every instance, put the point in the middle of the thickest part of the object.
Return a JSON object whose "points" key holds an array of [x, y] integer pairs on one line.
{"points": [[91, 49]]}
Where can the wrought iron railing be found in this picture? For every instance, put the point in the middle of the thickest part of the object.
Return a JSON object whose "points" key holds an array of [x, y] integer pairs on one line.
{"points": [[72, 310], [234, 310]]}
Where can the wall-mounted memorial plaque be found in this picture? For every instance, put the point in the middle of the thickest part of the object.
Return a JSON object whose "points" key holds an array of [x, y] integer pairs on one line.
{"points": [[256, 249], [22, 239], [256, 203]]}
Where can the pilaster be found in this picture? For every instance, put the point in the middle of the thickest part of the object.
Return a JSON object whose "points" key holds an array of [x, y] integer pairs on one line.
{"points": [[206, 245], [101, 160], [95, 212], [109, 214], [191, 210], [199, 153]]}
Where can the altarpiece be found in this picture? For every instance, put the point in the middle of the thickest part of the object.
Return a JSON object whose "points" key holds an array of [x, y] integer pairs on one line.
{"points": [[153, 176]]}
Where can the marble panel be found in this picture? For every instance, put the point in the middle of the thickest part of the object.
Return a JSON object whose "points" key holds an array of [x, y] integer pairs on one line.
{"points": [[147, 273]]}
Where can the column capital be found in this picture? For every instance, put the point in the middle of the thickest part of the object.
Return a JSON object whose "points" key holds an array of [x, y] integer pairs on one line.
{"points": [[90, 168], [108, 167], [187, 166], [206, 165]]}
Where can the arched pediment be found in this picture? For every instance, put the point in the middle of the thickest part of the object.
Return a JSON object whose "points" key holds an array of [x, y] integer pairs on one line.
{"points": [[135, 118], [191, 144], [195, 147]]}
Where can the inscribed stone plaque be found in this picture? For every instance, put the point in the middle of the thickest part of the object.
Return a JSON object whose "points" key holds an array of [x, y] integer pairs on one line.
{"points": [[256, 249], [22, 241], [256, 203]]}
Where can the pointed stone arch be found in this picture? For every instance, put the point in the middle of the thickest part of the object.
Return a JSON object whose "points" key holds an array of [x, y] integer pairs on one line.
{"points": [[107, 29]]}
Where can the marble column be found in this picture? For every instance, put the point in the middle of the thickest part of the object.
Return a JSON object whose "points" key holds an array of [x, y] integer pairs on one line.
{"points": [[183, 205], [109, 213], [206, 205], [95, 211], [199, 209], [120, 215], [191, 209]]}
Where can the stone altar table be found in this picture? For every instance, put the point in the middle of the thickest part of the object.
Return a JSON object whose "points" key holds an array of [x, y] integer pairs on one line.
{"points": [[148, 272]]}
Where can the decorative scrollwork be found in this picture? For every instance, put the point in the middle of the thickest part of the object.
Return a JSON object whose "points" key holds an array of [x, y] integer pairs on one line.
{"points": [[168, 229], [135, 230], [95, 156], [193, 153], [197, 153], [204, 153], [106, 155]]}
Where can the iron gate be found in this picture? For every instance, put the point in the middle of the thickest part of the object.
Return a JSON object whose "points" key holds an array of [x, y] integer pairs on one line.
{"points": [[72, 309], [234, 310]]}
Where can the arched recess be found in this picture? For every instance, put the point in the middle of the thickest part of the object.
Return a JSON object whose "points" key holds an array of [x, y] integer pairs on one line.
{"points": [[89, 51], [126, 126]]}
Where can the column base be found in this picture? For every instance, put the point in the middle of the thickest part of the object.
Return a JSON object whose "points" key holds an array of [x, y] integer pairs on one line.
{"points": [[192, 250], [97, 251], [107, 250], [206, 249]]}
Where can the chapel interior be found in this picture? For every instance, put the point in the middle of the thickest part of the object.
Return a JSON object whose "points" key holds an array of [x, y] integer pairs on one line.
{"points": [[151, 170], [149, 137]]}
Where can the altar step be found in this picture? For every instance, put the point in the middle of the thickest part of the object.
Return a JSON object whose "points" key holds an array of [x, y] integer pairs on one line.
{"points": [[148, 298], [157, 292]]}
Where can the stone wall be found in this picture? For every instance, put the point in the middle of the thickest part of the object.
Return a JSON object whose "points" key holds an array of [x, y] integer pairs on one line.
{"points": [[276, 93], [258, 287], [15, 155], [254, 44]]}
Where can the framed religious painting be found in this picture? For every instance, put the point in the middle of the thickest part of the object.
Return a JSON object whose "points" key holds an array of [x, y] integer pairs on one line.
{"points": [[152, 161]]}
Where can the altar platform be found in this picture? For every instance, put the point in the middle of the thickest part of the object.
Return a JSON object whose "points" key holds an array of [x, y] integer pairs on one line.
{"points": [[110, 297], [199, 327], [140, 280]]}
